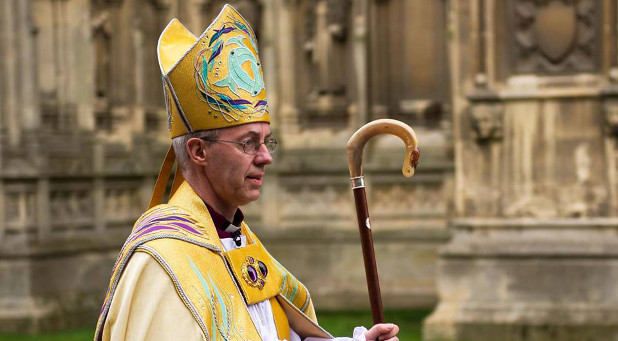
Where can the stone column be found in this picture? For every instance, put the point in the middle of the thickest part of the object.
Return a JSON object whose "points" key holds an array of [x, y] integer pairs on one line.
{"points": [[30, 116], [287, 100], [268, 56], [139, 115], [360, 41], [17, 97]]}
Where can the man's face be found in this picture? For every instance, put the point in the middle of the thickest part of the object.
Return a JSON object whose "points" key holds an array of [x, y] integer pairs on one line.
{"points": [[236, 177]]}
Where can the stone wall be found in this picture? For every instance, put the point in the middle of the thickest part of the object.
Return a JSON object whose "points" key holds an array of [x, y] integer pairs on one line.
{"points": [[83, 132], [531, 255]]}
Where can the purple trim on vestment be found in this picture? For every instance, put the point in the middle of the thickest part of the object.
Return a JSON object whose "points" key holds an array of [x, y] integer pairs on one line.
{"points": [[158, 220], [153, 229], [187, 227]]}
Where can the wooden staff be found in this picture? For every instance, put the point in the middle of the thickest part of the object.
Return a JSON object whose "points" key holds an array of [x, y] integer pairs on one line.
{"points": [[355, 162]]}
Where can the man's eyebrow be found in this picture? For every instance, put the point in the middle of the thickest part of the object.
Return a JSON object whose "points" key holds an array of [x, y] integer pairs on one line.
{"points": [[249, 133]]}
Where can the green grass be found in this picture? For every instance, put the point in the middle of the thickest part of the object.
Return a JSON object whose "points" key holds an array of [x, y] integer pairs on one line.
{"points": [[83, 334], [338, 323]]}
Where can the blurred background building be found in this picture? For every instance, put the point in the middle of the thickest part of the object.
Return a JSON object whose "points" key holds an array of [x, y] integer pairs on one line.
{"points": [[507, 228]]}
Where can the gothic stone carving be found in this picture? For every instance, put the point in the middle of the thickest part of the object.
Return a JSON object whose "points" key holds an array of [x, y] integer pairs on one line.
{"points": [[326, 29], [102, 34], [337, 19], [71, 207], [555, 36], [486, 121], [610, 110], [20, 209], [122, 203]]}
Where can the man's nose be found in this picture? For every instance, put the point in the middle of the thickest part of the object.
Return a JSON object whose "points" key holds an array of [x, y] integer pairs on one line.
{"points": [[263, 156]]}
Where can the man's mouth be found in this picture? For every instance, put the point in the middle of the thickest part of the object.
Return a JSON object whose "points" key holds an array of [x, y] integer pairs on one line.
{"points": [[256, 177]]}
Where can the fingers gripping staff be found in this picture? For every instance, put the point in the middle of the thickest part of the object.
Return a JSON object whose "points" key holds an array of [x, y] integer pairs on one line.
{"points": [[355, 162]]}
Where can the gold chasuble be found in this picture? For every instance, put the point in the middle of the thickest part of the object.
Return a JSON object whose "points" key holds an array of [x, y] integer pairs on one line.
{"points": [[215, 286]]}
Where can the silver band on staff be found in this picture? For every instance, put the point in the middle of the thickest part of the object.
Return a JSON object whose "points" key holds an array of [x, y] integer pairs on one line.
{"points": [[358, 182]]}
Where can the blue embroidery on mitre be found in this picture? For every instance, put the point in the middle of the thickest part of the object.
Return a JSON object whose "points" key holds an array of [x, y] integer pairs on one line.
{"points": [[222, 53], [237, 76]]}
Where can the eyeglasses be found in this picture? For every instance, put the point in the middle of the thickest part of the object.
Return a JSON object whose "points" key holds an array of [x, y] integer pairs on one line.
{"points": [[251, 146]]}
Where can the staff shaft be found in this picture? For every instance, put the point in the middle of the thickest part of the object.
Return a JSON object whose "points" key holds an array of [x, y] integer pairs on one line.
{"points": [[371, 271]]}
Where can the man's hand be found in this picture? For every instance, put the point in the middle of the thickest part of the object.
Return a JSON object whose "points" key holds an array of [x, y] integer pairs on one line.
{"points": [[383, 332]]}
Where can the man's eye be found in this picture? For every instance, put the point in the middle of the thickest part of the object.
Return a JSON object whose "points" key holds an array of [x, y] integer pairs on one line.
{"points": [[251, 143]]}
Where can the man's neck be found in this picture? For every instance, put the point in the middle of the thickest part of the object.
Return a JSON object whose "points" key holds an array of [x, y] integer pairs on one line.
{"points": [[228, 213], [207, 195]]}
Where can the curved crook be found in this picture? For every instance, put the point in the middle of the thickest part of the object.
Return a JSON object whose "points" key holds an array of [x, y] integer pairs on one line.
{"points": [[383, 126]]}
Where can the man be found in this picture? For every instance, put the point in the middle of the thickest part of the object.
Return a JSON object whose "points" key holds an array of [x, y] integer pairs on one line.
{"points": [[192, 269]]}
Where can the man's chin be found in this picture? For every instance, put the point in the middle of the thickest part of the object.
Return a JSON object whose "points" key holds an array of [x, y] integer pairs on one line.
{"points": [[251, 197]]}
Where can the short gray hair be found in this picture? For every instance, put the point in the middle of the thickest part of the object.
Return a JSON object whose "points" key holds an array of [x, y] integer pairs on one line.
{"points": [[180, 144]]}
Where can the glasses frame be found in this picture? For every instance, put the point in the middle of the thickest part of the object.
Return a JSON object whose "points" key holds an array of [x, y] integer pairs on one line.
{"points": [[245, 145]]}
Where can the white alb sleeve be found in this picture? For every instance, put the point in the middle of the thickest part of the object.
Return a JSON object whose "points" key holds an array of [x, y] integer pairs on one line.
{"points": [[358, 335]]}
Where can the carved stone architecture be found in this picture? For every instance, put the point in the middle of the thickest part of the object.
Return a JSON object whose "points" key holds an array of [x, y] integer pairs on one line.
{"points": [[532, 250], [83, 130], [551, 37], [515, 103]]}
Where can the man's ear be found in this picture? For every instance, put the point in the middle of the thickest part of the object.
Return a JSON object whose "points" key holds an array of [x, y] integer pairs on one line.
{"points": [[197, 151]]}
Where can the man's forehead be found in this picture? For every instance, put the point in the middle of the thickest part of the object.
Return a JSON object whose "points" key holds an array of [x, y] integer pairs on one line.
{"points": [[257, 128]]}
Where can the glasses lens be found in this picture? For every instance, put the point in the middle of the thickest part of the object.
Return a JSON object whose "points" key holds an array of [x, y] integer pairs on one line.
{"points": [[251, 147], [271, 145]]}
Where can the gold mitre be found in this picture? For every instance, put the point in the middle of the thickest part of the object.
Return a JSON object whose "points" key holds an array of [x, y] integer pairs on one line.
{"points": [[214, 81]]}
